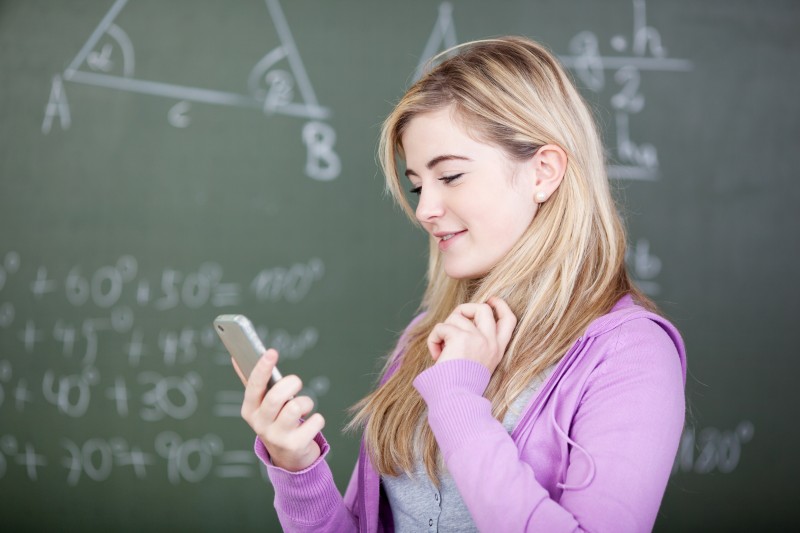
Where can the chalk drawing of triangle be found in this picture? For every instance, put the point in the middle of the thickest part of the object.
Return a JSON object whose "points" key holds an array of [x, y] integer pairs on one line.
{"points": [[278, 93], [443, 37], [278, 83]]}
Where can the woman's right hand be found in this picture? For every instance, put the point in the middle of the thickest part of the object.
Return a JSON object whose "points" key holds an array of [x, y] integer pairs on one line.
{"points": [[275, 416], [474, 331]]}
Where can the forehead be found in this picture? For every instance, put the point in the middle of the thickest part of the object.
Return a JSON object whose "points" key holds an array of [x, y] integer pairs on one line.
{"points": [[441, 120], [435, 133]]}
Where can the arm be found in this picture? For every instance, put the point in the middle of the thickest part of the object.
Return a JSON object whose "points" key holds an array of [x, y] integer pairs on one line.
{"points": [[308, 500], [293, 450], [627, 426], [306, 497]]}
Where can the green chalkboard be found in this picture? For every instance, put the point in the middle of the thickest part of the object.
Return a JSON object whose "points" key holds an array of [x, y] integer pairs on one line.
{"points": [[162, 162]]}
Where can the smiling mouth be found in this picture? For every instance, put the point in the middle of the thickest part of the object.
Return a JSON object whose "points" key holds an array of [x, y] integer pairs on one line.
{"points": [[448, 236], [444, 239]]}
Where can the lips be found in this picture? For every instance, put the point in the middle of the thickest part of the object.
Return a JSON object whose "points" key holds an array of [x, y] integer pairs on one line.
{"points": [[446, 238]]}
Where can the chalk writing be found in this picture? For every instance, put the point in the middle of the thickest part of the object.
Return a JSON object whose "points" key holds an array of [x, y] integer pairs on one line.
{"points": [[24, 456], [9, 266], [110, 285], [631, 159], [108, 60], [189, 460], [322, 163], [102, 357], [644, 266], [708, 449], [290, 284], [70, 393], [6, 373], [57, 107], [236, 464], [96, 459], [172, 396], [443, 37]]}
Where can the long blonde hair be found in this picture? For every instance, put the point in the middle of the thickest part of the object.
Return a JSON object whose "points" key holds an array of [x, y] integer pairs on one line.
{"points": [[566, 270]]}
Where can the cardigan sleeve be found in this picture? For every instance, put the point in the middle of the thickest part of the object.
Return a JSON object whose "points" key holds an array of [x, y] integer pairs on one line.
{"points": [[308, 500], [622, 440]]}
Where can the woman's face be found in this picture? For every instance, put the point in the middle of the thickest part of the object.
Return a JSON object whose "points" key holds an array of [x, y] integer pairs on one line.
{"points": [[473, 199]]}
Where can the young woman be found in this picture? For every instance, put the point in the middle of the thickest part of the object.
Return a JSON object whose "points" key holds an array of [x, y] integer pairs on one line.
{"points": [[537, 389]]}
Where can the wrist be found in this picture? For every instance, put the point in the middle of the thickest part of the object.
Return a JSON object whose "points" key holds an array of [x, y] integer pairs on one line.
{"points": [[264, 455], [291, 461], [488, 365], [452, 375]]}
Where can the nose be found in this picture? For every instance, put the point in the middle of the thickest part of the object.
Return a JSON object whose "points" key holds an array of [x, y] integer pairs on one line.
{"points": [[430, 205]]}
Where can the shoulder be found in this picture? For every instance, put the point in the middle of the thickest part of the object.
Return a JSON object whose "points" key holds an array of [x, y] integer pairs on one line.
{"points": [[631, 337], [629, 321], [639, 350], [644, 335]]}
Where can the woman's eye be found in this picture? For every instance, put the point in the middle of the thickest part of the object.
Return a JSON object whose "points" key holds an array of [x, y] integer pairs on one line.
{"points": [[444, 179], [448, 179]]}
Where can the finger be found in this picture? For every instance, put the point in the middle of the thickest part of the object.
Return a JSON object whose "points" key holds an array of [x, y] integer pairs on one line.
{"points": [[293, 411], [239, 372], [460, 321], [435, 341], [438, 338], [506, 321], [309, 429], [483, 318], [279, 395], [256, 385]]}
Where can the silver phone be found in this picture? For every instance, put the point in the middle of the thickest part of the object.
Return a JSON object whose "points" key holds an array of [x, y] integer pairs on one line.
{"points": [[240, 338]]}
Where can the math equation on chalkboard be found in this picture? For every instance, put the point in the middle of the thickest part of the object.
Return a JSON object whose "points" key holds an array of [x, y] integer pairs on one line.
{"points": [[114, 387]]}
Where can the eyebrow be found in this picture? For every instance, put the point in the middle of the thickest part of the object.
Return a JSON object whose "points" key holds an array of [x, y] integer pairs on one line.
{"points": [[436, 160]]}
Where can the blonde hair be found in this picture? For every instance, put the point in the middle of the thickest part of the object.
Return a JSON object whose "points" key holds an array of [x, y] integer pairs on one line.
{"points": [[566, 270]]}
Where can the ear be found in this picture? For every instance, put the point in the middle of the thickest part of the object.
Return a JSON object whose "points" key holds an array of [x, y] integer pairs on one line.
{"points": [[549, 165]]}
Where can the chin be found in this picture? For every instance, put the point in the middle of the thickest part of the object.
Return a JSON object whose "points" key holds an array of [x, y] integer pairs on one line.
{"points": [[464, 273]]}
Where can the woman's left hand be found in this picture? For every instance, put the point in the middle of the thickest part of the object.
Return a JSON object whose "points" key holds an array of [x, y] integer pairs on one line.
{"points": [[472, 332]]}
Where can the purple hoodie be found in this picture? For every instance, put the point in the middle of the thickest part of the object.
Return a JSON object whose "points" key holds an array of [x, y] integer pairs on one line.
{"points": [[592, 451]]}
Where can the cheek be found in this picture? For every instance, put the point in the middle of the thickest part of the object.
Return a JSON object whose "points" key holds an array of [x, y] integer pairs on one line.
{"points": [[508, 234], [506, 224]]}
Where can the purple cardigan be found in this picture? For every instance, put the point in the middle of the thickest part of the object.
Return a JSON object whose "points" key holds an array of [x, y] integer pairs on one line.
{"points": [[592, 451]]}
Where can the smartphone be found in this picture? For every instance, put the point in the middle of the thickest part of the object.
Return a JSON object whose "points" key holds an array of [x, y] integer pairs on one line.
{"points": [[240, 338]]}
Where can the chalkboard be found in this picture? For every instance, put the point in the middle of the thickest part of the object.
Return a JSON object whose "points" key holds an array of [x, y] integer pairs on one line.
{"points": [[165, 162]]}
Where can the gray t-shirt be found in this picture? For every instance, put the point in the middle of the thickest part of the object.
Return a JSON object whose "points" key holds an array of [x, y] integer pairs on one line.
{"points": [[417, 505]]}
